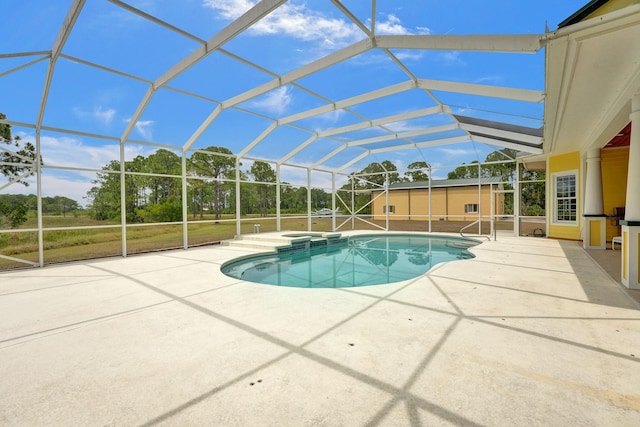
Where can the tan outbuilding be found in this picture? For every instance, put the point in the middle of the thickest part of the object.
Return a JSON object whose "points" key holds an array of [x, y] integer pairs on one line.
{"points": [[445, 200]]}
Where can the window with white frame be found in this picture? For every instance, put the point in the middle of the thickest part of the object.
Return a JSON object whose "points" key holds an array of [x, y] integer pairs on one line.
{"points": [[471, 208], [390, 209], [565, 198]]}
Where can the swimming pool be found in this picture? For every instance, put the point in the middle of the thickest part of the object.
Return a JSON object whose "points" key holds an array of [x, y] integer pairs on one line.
{"points": [[359, 261]]}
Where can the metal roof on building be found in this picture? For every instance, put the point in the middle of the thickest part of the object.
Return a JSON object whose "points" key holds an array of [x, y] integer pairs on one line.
{"points": [[438, 183]]}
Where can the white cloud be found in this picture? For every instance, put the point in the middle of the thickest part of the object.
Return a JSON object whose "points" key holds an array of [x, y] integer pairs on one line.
{"points": [[144, 128], [409, 56], [489, 79], [391, 26], [450, 58], [293, 20], [403, 126], [104, 116], [230, 9], [331, 117], [460, 110], [74, 153], [275, 101], [456, 152]]}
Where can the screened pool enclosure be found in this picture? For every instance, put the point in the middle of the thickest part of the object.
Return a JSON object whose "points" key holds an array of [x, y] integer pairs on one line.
{"points": [[136, 126]]}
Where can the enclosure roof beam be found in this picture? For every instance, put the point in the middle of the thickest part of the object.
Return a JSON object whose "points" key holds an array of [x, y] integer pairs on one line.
{"points": [[369, 96], [352, 17], [256, 141], [67, 26], [492, 132], [328, 156], [136, 115], [61, 39], [156, 20], [433, 143], [236, 27], [526, 95], [353, 161], [513, 43], [384, 120], [392, 137], [230, 31], [203, 126], [514, 145], [306, 70], [296, 150], [408, 134]]}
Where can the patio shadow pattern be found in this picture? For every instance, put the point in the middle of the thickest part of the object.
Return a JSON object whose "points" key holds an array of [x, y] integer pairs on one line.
{"points": [[530, 332]]}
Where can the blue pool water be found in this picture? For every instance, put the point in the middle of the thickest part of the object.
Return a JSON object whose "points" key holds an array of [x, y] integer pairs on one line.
{"points": [[359, 261]]}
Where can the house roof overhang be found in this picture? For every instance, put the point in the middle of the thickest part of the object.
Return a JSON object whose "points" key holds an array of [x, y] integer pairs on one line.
{"points": [[592, 72]]}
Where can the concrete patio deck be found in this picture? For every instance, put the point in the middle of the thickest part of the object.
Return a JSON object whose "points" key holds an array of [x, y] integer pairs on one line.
{"points": [[530, 332]]}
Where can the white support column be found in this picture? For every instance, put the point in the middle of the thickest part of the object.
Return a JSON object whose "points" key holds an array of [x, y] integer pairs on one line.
{"points": [[479, 199], [38, 166], [631, 222], [492, 212], [353, 202], [430, 172], [278, 188], [595, 235], [517, 196], [238, 204], [593, 191], [123, 200], [333, 201], [386, 196], [309, 199], [185, 210]]}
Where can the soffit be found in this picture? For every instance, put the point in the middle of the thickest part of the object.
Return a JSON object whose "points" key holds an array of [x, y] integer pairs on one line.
{"points": [[593, 70]]}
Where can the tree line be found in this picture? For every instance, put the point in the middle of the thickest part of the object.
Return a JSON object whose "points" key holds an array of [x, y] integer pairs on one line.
{"points": [[211, 188]]}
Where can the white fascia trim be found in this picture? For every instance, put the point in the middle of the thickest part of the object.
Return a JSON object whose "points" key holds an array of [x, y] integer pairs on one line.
{"points": [[632, 12]]}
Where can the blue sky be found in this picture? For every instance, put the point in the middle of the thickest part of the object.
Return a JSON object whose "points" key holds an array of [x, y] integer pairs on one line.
{"points": [[90, 99]]}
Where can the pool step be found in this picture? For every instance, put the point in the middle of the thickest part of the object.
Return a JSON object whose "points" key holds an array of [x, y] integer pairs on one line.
{"points": [[284, 241]]}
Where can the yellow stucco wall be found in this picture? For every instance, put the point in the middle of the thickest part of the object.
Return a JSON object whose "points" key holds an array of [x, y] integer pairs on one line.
{"points": [[460, 196], [611, 6], [614, 165], [420, 203], [564, 163], [414, 204]]}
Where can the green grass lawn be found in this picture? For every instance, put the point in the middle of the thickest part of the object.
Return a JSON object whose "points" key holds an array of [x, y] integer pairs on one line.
{"points": [[74, 244]]}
